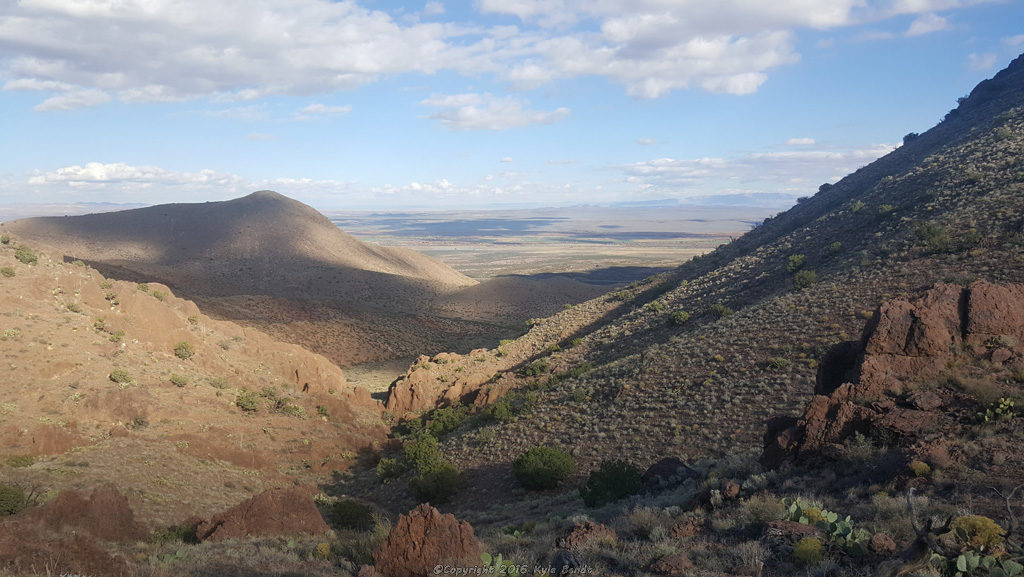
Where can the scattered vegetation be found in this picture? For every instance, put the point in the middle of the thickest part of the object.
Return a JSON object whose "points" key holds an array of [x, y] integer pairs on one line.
{"points": [[248, 401], [25, 255], [179, 380], [184, 350], [18, 461], [7, 271], [543, 468]]}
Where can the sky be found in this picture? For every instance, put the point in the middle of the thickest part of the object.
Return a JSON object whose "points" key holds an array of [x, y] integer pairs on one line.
{"points": [[381, 104]]}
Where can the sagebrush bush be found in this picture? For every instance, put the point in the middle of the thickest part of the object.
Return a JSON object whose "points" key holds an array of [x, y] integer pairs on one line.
{"points": [[351, 514], [248, 401], [611, 481], [179, 380], [679, 317], [720, 310], [120, 376], [7, 271], [543, 468]]}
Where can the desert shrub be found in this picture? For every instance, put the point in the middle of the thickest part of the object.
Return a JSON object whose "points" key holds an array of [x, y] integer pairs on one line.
{"points": [[445, 420], [720, 310], [25, 255], [323, 411], [73, 307], [796, 262], [884, 209], [835, 247], [679, 317], [351, 514], [218, 383], [543, 468], [159, 295], [779, 363], [7, 271], [20, 461], [611, 481], [535, 368], [807, 551], [804, 279], [184, 533], [998, 410], [5, 239], [293, 411], [248, 401], [423, 453], [120, 376], [576, 341], [920, 468], [978, 532], [193, 320], [12, 499], [655, 306], [511, 406], [857, 206], [437, 485], [142, 287], [389, 468], [179, 380], [934, 237], [184, 350], [759, 509]]}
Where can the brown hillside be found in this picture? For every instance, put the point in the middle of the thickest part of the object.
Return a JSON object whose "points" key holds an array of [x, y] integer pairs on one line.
{"points": [[97, 386]]}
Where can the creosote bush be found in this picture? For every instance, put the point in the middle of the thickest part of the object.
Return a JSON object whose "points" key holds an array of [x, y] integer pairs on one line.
{"points": [[543, 468], [351, 514], [611, 481], [184, 350]]}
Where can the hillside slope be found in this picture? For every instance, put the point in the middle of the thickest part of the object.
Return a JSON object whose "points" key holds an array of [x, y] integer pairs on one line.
{"points": [[695, 362], [107, 380]]}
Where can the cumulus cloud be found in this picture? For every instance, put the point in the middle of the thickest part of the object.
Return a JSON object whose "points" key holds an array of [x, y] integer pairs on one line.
{"points": [[487, 112], [172, 50], [804, 141], [319, 111], [926, 24], [981, 61]]}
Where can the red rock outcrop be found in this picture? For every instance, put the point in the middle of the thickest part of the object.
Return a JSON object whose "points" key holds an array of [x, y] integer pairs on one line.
{"points": [[274, 512], [421, 540], [905, 342], [104, 513], [586, 534]]}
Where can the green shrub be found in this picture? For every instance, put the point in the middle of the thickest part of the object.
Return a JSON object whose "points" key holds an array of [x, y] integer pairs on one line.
{"points": [[543, 468], [142, 287], [218, 383], [12, 499], [535, 368], [248, 401], [796, 262], [612, 481], [293, 411], [679, 317], [807, 551], [885, 209], [720, 310], [179, 380], [935, 238], [20, 461], [120, 376], [445, 420], [857, 206], [73, 307], [25, 255], [576, 341], [920, 468], [835, 247], [423, 453], [7, 271], [185, 533], [5, 239], [437, 485], [389, 468], [351, 514], [655, 306], [779, 363], [323, 411], [978, 532], [159, 295], [184, 350], [804, 279]]}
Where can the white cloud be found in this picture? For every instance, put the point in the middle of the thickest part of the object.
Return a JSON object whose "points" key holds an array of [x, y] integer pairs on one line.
{"points": [[318, 111], [1014, 41], [259, 136], [74, 98], [646, 141], [792, 172], [926, 24], [487, 112], [173, 50], [250, 113], [804, 141], [507, 159], [981, 61]]}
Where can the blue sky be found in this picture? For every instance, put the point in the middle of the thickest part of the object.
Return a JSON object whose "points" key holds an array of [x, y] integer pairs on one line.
{"points": [[393, 105]]}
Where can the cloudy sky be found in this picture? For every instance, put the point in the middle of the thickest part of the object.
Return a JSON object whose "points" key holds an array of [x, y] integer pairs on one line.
{"points": [[388, 104]]}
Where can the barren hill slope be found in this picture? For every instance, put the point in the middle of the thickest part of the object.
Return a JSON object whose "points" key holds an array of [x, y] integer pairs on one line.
{"points": [[695, 362], [263, 243]]}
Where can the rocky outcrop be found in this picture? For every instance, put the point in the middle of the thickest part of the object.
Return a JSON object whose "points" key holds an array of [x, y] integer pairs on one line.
{"points": [[423, 539], [907, 343], [668, 473], [271, 513], [586, 535], [104, 513]]}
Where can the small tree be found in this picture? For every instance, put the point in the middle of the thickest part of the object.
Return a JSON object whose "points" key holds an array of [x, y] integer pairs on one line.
{"points": [[543, 468], [612, 481]]}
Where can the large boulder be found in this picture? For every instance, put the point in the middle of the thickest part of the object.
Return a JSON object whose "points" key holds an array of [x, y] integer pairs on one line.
{"points": [[104, 513], [423, 539], [905, 341], [271, 513]]}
